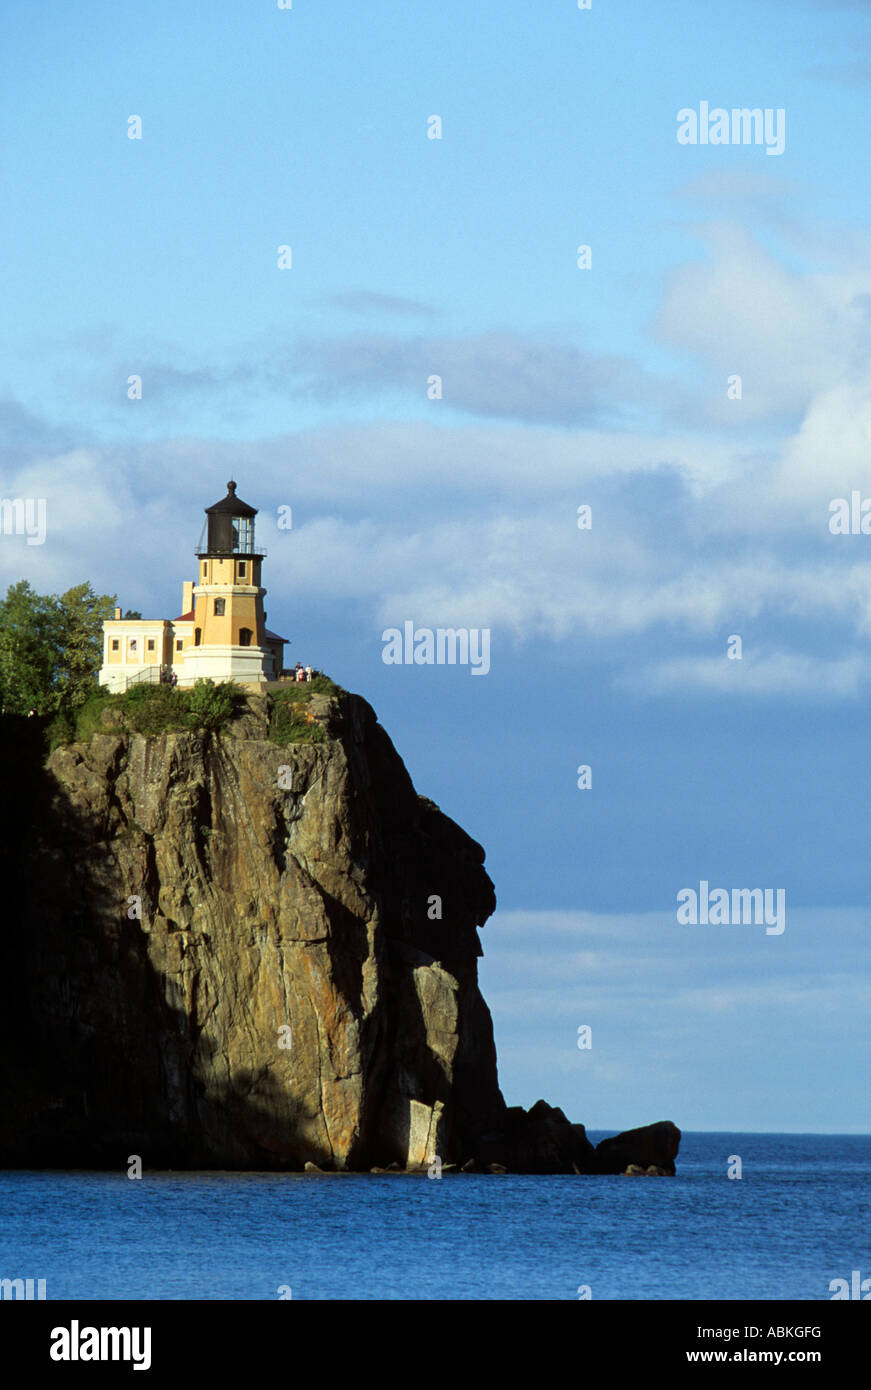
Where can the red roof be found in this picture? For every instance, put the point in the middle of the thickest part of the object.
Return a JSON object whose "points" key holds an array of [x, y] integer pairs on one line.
{"points": [[185, 617]]}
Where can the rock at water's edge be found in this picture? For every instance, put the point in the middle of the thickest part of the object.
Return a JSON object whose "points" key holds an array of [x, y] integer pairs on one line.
{"points": [[651, 1146]]}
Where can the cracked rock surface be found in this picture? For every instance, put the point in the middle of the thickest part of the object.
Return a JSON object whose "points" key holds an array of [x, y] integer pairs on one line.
{"points": [[221, 953], [214, 963]]}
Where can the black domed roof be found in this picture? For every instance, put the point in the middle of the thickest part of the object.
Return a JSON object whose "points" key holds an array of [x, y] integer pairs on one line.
{"points": [[232, 504]]}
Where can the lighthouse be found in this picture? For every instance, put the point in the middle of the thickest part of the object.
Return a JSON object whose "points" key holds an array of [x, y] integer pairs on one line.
{"points": [[229, 624], [221, 633]]}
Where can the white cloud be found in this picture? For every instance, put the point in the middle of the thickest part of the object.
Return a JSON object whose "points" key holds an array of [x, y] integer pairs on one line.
{"points": [[532, 968], [774, 673], [791, 335]]}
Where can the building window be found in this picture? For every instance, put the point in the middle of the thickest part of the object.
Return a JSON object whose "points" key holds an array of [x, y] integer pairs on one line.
{"points": [[115, 644], [198, 632], [133, 644], [204, 569], [151, 644], [245, 635], [219, 608], [242, 567], [179, 643]]}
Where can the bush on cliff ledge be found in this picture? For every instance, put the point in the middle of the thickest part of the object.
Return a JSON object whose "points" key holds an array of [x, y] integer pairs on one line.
{"points": [[150, 710], [210, 705], [291, 719]]}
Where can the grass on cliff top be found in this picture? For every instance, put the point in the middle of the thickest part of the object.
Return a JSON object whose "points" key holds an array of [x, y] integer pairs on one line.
{"points": [[162, 709], [150, 709], [290, 717]]}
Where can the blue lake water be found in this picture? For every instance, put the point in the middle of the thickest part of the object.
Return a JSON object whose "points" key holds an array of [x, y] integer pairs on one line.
{"points": [[798, 1218]]}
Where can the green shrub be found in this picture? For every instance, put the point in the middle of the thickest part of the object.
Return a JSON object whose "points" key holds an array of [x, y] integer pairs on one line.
{"points": [[303, 690], [211, 705], [154, 709], [89, 716], [289, 721], [160, 709], [288, 724], [59, 730]]}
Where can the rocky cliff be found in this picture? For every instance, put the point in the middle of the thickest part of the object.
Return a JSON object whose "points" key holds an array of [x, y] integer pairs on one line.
{"points": [[228, 953]]}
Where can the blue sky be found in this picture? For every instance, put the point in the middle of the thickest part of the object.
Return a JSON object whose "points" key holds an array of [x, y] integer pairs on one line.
{"points": [[608, 386]]}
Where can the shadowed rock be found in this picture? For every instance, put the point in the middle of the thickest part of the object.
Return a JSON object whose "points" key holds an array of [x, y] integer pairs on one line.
{"points": [[651, 1146]]}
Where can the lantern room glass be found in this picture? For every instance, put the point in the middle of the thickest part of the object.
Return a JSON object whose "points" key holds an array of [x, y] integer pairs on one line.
{"points": [[243, 535]]}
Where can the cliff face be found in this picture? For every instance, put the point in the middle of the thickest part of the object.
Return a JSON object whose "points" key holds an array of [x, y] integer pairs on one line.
{"points": [[217, 952], [289, 993]]}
